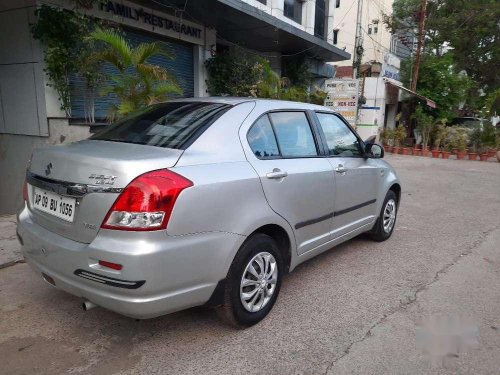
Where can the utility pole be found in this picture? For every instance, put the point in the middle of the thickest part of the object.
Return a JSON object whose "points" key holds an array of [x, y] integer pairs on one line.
{"points": [[357, 41], [420, 43]]}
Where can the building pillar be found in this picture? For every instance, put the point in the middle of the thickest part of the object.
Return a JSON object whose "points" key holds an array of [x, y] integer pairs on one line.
{"points": [[277, 7], [309, 11], [200, 55], [330, 26]]}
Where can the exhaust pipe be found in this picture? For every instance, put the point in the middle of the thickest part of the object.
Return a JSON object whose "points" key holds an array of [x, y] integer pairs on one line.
{"points": [[87, 305]]}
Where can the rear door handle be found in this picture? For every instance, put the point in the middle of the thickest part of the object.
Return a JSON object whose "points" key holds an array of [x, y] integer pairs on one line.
{"points": [[341, 169], [276, 174]]}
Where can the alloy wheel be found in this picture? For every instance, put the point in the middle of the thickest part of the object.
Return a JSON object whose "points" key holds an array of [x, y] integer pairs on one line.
{"points": [[258, 282], [389, 216]]}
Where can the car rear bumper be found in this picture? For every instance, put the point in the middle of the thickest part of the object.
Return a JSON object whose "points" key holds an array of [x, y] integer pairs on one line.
{"points": [[161, 274]]}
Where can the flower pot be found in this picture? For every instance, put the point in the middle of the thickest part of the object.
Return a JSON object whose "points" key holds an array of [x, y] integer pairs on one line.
{"points": [[435, 153], [460, 155], [425, 151], [484, 157], [417, 152], [492, 153], [472, 155], [404, 151], [445, 154], [498, 156], [395, 150]]}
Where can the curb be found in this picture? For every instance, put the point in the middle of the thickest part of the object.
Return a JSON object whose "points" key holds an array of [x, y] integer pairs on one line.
{"points": [[12, 263]]}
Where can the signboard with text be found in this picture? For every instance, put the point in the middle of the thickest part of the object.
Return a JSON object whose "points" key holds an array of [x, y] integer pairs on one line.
{"points": [[342, 97], [135, 15]]}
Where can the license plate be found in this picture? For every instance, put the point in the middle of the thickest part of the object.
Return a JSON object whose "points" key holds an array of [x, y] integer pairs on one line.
{"points": [[54, 204]]}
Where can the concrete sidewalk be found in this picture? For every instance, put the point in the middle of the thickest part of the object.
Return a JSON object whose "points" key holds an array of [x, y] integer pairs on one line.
{"points": [[10, 249]]}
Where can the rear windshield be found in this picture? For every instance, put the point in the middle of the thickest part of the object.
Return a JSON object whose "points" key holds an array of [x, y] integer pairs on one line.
{"points": [[172, 125]]}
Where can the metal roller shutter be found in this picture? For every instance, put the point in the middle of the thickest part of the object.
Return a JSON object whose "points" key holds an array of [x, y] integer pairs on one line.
{"points": [[181, 65]]}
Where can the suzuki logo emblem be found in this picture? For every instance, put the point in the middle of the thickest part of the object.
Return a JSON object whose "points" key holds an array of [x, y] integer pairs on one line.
{"points": [[48, 169]]}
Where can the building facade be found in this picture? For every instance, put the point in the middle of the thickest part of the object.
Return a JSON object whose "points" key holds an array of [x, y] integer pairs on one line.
{"points": [[376, 39], [381, 91], [30, 114]]}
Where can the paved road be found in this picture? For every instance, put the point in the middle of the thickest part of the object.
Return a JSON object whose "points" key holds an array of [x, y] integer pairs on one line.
{"points": [[355, 309]]}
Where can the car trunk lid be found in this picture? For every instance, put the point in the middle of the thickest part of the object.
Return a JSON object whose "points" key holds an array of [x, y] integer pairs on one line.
{"points": [[93, 172]]}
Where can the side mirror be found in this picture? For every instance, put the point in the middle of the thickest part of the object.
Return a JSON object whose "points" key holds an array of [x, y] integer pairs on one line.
{"points": [[374, 151]]}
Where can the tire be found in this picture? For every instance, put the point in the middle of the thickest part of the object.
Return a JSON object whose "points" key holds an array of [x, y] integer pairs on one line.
{"points": [[258, 249], [380, 232]]}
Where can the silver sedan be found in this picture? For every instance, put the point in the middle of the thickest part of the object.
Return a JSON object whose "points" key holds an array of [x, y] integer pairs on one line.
{"points": [[201, 201]]}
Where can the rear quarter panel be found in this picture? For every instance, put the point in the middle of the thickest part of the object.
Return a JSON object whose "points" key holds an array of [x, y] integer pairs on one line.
{"points": [[226, 197]]}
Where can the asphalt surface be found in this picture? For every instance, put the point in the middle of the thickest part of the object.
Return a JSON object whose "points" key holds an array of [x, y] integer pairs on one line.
{"points": [[362, 307]]}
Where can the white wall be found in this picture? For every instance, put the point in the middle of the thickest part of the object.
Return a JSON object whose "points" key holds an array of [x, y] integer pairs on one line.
{"points": [[15, 151], [22, 91], [371, 118], [345, 20], [275, 8]]}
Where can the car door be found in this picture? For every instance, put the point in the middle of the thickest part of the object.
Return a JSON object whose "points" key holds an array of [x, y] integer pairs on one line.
{"points": [[296, 179], [357, 178]]}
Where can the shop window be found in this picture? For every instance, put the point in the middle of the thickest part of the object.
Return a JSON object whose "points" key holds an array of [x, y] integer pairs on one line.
{"points": [[293, 10]]}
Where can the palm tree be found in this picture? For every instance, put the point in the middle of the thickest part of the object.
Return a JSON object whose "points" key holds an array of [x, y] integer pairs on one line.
{"points": [[137, 83]]}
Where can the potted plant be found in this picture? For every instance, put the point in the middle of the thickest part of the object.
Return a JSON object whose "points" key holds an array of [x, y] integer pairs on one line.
{"points": [[416, 150], [475, 142], [438, 135], [424, 127], [498, 145], [387, 138], [460, 138], [446, 143], [488, 141], [484, 155], [400, 135]]}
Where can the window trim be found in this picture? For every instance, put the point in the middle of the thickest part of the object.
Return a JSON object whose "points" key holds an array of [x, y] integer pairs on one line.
{"points": [[361, 143], [313, 126]]}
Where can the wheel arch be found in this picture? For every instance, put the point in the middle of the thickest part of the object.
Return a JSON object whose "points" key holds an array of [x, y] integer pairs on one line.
{"points": [[284, 242], [396, 188], [280, 235]]}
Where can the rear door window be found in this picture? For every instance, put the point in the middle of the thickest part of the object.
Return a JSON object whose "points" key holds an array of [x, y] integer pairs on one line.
{"points": [[172, 125], [295, 138], [261, 139]]}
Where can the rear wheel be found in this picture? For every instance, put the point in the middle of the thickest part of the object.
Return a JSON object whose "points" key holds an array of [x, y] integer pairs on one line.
{"points": [[387, 219], [253, 282]]}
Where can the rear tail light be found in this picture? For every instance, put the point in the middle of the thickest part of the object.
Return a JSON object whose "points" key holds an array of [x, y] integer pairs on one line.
{"points": [[147, 202], [25, 191]]}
